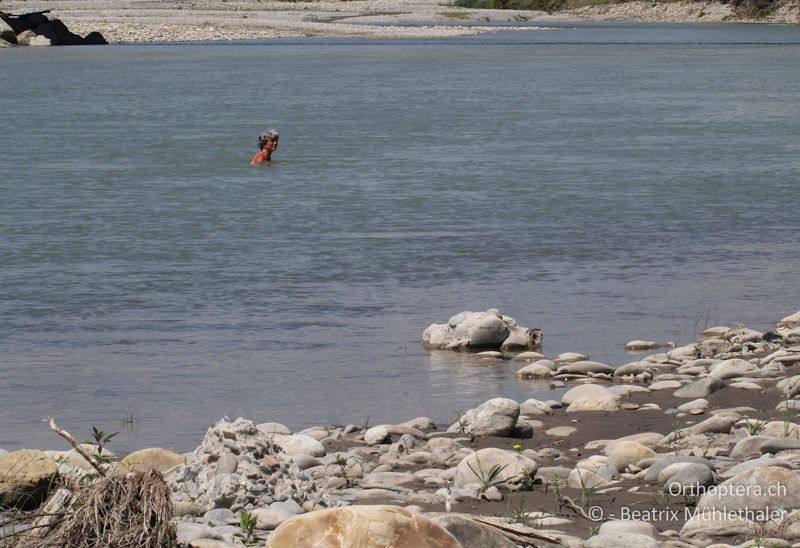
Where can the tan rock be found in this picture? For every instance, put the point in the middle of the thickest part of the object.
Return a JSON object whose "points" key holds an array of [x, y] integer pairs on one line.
{"points": [[642, 345], [594, 404], [152, 458], [665, 385], [586, 391], [535, 371], [442, 443], [648, 439], [25, 478], [570, 357], [268, 519], [624, 453], [373, 526], [561, 431]]}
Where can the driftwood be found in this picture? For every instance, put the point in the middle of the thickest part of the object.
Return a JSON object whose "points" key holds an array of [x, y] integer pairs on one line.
{"points": [[121, 511], [51, 514], [37, 23], [517, 533], [85, 454], [569, 503]]}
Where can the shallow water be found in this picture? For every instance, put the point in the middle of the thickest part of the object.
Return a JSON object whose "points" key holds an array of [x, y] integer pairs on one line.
{"points": [[603, 182]]}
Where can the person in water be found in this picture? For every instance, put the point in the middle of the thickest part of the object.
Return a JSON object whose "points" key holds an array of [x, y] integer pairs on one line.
{"points": [[267, 143]]}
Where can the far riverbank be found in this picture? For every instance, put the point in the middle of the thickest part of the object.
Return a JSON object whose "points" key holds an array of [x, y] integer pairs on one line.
{"points": [[125, 21]]}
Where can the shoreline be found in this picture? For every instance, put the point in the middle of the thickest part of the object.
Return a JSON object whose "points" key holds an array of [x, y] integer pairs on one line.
{"points": [[131, 21], [658, 450]]}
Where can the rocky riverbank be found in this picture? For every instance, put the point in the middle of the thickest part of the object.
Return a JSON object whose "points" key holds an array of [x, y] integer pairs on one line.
{"points": [[695, 446], [134, 21]]}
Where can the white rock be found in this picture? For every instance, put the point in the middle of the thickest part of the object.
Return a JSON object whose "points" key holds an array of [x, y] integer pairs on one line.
{"points": [[268, 519], [619, 527], [584, 367], [28, 38], [561, 431], [585, 479], [586, 391], [533, 407], [665, 385], [729, 369], [188, 532], [699, 403], [626, 389], [641, 345], [594, 404], [474, 469], [569, 357], [790, 320], [496, 417], [535, 371], [300, 444], [383, 432], [271, 428]]}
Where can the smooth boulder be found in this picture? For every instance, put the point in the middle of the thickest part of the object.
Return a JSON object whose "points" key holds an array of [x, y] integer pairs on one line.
{"points": [[624, 453], [379, 526], [299, 444], [584, 391], [700, 388], [26, 477], [488, 330], [496, 417], [594, 404], [585, 367], [729, 369], [152, 458], [476, 468]]}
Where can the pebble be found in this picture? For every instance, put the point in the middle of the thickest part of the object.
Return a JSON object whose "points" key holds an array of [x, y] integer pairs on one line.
{"points": [[561, 431]]}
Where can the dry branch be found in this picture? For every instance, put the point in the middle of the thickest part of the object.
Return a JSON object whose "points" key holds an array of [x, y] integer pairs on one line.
{"points": [[85, 454], [121, 511]]}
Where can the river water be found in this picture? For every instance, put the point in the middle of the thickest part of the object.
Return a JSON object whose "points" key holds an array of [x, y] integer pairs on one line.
{"points": [[602, 182]]}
